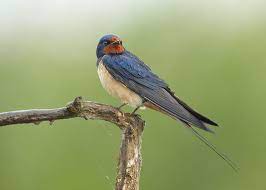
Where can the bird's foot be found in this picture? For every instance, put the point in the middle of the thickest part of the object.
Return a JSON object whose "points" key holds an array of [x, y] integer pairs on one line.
{"points": [[119, 108], [134, 111]]}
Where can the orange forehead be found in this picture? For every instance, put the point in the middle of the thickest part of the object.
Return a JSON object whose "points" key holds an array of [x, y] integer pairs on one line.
{"points": [[114, 38]]}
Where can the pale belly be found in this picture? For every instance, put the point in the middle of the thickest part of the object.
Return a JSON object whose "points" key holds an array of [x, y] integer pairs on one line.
{"points": [[117, 89]]}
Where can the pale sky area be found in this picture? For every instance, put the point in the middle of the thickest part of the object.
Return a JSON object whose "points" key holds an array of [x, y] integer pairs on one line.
{"points": [[31, 15]]}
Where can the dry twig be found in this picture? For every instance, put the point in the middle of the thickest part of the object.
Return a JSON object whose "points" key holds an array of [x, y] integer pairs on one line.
{"points": [[132, 126]]}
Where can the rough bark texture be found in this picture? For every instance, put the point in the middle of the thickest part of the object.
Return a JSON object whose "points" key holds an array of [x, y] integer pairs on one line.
{"points": [[132, 126], [129, 165]]}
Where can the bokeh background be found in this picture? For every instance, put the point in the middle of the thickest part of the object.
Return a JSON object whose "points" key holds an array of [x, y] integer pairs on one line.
{"points": [[211, 52]]}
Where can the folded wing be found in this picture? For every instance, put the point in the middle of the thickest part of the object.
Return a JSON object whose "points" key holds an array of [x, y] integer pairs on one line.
{"points": [[137, 76]]}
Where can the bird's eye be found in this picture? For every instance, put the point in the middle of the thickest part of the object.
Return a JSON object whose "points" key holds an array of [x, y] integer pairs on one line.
{"points": [[105, 43]]}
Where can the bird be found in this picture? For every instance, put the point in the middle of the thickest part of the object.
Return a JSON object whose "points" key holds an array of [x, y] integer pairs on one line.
{"points": [[124, 76]]}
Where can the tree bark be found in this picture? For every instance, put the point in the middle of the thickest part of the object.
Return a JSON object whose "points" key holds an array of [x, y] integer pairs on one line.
{"points": [[129, 164], [132, 126]]}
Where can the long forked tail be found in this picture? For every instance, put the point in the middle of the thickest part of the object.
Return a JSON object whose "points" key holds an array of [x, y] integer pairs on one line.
{"points": [[211, 146], [203, 126]]}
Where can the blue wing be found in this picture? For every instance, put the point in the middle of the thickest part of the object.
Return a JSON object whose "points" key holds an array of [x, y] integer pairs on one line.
{"points": [[133, 73]]}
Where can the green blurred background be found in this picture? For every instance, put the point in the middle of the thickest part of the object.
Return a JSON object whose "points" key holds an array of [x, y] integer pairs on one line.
{"points": [[212, 53]]}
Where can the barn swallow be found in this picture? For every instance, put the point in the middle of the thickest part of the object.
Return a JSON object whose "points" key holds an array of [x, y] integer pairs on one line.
{"points": [[124, 76]]}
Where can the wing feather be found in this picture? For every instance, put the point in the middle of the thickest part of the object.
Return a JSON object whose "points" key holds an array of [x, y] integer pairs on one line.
{"points": [[133, 73]]}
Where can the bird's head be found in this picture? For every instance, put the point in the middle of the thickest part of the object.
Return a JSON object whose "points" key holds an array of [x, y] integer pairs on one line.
{"points": [[108, 45]]}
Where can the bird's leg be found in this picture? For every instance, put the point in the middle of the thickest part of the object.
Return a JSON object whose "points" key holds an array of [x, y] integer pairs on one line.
{"points": [[119, 108], [135, 110]]}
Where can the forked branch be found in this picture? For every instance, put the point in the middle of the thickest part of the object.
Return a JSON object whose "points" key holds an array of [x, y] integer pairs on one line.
{"points": [[131, 125]]}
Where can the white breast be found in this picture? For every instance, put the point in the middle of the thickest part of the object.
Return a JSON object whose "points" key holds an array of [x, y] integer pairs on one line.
{"points": [[117, 89]]}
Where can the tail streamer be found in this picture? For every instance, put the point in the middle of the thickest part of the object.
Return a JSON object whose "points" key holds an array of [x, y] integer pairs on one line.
{"points": [[211, 146]]}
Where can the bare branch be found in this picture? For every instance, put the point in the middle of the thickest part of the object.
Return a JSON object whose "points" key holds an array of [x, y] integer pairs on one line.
{"points": [[129, 165], [77, 108], [132, 126]]}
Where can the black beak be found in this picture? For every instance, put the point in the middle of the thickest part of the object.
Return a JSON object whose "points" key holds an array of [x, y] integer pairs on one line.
{"points": [[117, 42]]}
